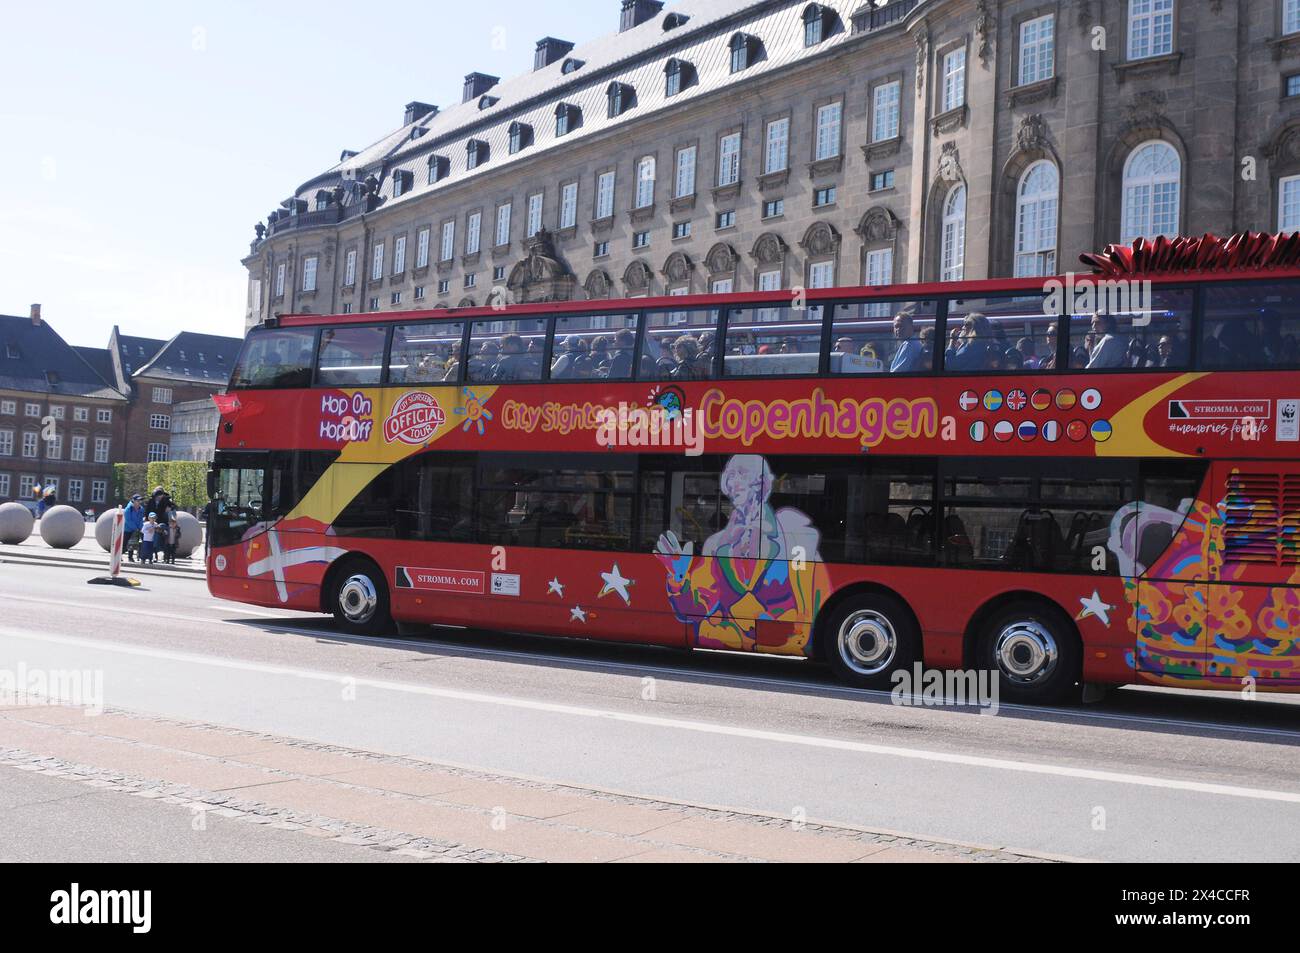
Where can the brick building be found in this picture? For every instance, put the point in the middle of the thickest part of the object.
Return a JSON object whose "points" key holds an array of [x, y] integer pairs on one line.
{"points": [[727, 145], [62, 423]]}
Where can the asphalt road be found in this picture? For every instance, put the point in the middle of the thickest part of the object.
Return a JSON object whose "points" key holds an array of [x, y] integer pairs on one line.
{"points": [[1146, 775]]}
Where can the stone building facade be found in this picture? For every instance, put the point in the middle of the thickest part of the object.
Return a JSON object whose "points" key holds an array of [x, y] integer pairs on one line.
{"points": [[721, 145], [194, 430]]}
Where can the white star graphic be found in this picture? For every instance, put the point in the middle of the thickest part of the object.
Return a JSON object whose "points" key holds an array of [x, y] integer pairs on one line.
{"points": [[555, 587], [1095, 607], [614, 582], [577, 615]]}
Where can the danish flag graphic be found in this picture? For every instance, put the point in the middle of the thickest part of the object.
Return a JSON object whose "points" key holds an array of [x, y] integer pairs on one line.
{"points": [[968, 400]]}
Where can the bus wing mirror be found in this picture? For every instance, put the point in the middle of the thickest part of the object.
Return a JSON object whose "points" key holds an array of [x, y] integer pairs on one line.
{"points": [[212, 484]]}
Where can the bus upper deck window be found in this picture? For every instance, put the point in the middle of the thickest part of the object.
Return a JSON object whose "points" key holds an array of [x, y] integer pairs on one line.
{"points": [[350, 357], [1125, 331], [1251, 325], [275, 358]]}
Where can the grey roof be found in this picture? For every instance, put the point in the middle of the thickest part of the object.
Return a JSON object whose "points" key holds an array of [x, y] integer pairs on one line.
{"points": [[136, 352], [33, 357], [100, 361], [636, 57], [193, 357]]}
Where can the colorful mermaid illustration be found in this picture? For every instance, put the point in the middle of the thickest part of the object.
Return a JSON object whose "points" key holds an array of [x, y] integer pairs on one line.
{"points": [[759, 581]]}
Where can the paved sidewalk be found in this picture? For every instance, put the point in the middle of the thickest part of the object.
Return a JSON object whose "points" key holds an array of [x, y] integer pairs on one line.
{"points": [[418, 809], [89, 553]]}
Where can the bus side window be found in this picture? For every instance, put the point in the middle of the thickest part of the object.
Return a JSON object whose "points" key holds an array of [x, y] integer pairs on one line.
{"points": [[1011, 335], [1126, 333], [883, 337], [1251, 325]]}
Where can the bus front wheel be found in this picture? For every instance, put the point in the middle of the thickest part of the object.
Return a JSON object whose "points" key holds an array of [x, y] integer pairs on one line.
{"points": [[868, 638], [360, 599], [1034, 651]]}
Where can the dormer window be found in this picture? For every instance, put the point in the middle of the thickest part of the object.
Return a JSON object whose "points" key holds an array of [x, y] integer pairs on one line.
{"points": [[621, 96], [674, 20], [476, 153], [521, 136], [487, 102], [571, 65], [678, 75], [323, 200], [567, 118], [745, 50], [818, 23], [403, 182], [439, 168], [13, 352]]}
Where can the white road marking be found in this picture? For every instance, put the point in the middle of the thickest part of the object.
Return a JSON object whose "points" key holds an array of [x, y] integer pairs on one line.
{"points": [[777, 737]]}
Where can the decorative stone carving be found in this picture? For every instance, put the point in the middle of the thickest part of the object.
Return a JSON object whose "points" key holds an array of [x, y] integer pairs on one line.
{"points": [[879, 226], [598, 284], [1083, 14], [678, 267], [770, 249], [260, 229], [985, 27], [1032, 134], [1146, 109], [922, 37], [541, 275], [1284, 147], [637, 277], [721, 259], [950, 163], [821, 239]]}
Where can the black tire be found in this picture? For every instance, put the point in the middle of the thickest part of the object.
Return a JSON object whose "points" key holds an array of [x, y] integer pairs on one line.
{"points": [[359, 598], [1034, 650], [869, 637]]}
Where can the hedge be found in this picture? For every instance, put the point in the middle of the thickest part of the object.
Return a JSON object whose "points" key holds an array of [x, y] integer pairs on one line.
{"points": [[185, 480]]}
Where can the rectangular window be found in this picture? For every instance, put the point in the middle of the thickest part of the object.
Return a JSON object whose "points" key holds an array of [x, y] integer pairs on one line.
{"points": [[102, 445], [587, 505], [954, 79], [350, 269], [681, 230], [1150, 28], [772, 341], [82, 414], [641, 240], [502, 351], [727, 219], [26, 486], [309, 273], [828, 131], [885, 111], [601, 250], [444, 286], [882, 180], [54, 448], [729, 159], [498, 272], [6, 443], [75, 489], [374, 303], [880, 267], [419, 292], [503, 225], [535, 213], [1037, 49], [160, 422], [377, 266], [879, 337], [776, 155], [824, 197], [605, 195], [678, 345], [399, 255], [4, 484], [448, 249], [1249, 325], [569, 205], [424, 353], [470, 280], [1288, 204], [685, 183], [645, 182], [98, 491], [58, 411], [774, 208], [1293, 85], [395, 298], [8, 407], [821, 275], [1290, 17], [422, 247], [29, 444], [995, 335], [723, 286], [156, 452], [769, 281], [279, 280], [473, 233], [103, 416], [78, 448], [594, 346], [32, 410], [162, 395]]}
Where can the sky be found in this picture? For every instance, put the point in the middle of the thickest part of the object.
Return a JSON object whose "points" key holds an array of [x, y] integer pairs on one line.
{"points": [[141, 142]]}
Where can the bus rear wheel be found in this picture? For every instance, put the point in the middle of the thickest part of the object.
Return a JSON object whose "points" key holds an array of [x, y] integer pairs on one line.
{"points": [[360, 598], [1034, 652], [868, 638]]}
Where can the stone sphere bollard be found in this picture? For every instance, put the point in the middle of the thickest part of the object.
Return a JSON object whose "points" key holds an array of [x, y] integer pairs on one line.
{"points": [[191, 537], [16, 522], [63, 527], [104, 529]]}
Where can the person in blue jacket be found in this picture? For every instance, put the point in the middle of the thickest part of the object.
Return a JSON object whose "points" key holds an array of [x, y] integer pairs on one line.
{"points": [[132, 526]]}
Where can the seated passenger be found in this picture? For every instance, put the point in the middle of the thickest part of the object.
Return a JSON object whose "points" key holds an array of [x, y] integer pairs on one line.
{"points": [[620, 361], [910, 354], [1108, 350], [686, 357], [514, 364], [970, 347]]}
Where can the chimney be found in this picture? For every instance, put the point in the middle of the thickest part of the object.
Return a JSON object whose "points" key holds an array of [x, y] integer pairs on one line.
{"points": [[476, 84], [636, 12], [549, 49], [417, 111], [36, 315]]}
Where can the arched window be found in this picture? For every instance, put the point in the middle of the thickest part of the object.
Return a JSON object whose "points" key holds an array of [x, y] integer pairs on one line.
{"points": [[953, 253], [744, 51], [1153, 177], [567, 118], [678, 74], [521, 136], [1037, 204], [621, 98], [816, 23]]}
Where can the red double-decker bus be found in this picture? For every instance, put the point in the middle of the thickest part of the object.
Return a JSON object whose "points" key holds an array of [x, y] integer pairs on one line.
{"points": [[1090, 481]]}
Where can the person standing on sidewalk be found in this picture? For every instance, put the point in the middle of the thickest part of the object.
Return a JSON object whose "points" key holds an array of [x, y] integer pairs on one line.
{"points": [[150, 535], [172, 528], [133, 523]]}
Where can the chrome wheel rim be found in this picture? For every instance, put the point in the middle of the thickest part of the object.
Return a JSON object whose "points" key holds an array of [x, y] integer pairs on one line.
{"points": [[868, 643], [1026, 652], [358, 599]]}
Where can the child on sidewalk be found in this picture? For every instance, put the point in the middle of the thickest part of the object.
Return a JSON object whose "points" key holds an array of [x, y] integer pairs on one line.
{"points": [[173, 536], [149, 533]]}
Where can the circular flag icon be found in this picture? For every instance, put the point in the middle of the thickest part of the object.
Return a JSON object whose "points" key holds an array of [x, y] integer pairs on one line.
{"points": [[993, 400], [1041, 400], [1017, 400], [1004, 430], [1051, 431], [968, 400], [979, 431], [1027, 431], [1065, 398], [1076, 430], [1090, 399], [1101, 431]]}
